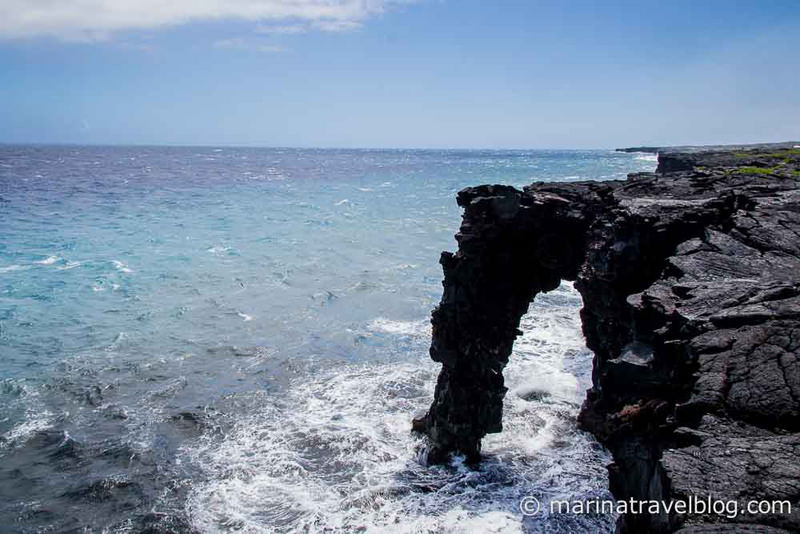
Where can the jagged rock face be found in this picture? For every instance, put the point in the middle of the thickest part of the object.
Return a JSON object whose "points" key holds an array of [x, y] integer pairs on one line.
{"points": [[690, 279], [512, 245]]}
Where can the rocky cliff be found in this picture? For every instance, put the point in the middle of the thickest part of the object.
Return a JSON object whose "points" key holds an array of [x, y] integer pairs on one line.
{"points": [[690, 278]]}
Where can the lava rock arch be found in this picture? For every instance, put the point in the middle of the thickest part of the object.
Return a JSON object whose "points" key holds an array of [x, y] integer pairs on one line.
{"points": [[690, 279]]}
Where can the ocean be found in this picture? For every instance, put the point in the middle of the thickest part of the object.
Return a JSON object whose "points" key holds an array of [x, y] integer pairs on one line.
{"points": [[236, 340]]}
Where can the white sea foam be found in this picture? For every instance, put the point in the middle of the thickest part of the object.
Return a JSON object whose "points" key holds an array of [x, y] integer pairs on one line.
{"points": [[244, 316], [11, 268], [342, 202], [536, 373], [218, 250], [120, 339], [121, 267], [321, 455], [69, 265], [402, 328], [50, 260], [275, 174], [36, 420], [334, 452], [647, 157]]}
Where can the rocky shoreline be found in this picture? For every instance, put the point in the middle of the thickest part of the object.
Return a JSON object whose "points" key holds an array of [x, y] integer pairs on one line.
{"points": [[690, 278]]}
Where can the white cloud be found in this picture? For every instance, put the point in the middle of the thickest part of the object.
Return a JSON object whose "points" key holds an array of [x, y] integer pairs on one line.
{"points": [[336, 25], [325, 25], [240, 43], [286, 29], [98, 19]]}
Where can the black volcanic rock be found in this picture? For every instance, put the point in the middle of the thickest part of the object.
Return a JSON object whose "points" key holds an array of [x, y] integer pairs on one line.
{"points": [[645, 149], [764, 147], [690, 280]]}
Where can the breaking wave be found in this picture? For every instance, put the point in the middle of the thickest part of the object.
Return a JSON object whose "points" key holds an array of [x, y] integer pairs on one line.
{"points": [[334, 452]]}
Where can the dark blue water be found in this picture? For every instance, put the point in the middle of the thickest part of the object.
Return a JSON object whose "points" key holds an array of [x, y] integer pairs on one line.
{"points": [[235, 340]]}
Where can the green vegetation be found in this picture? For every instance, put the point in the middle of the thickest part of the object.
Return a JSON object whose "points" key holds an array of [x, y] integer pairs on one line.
{"points": [[785, 153], [788, 159], [758, 170], [778, 169]]}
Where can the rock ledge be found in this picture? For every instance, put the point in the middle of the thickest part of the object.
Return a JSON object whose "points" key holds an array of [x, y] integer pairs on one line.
{"points": [[690, 279]]}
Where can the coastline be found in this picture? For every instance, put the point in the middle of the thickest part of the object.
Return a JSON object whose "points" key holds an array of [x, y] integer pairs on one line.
{"points": [[691, 306]]}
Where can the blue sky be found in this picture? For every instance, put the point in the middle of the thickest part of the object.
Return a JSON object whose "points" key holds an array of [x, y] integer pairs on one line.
{"points": [[399, 73]]}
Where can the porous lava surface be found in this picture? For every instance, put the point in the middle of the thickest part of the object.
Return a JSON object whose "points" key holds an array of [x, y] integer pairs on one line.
{"points": [[690, 278]]}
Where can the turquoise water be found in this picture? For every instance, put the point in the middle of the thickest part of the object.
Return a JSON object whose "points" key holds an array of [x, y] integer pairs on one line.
{"points": [[226, 339]]}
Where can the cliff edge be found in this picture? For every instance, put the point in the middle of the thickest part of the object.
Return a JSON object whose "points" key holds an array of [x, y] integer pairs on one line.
{"points": [[690, 278]]}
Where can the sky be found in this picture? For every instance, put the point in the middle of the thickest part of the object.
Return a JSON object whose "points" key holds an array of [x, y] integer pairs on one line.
{"points": [[399, 73]]}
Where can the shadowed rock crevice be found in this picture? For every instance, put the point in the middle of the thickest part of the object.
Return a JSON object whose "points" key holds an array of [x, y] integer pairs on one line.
{"points": [[690, 280]]}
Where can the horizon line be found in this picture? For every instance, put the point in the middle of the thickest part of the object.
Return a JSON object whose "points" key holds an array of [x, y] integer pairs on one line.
{"points": [[283, 147], [397, 148]]}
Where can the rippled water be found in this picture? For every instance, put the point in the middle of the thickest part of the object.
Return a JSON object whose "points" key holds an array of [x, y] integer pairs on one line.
{"points": [[235, 340]]}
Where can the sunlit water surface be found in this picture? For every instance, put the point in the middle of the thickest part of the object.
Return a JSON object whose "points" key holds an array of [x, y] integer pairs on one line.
{"points": [[235, 340]]}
